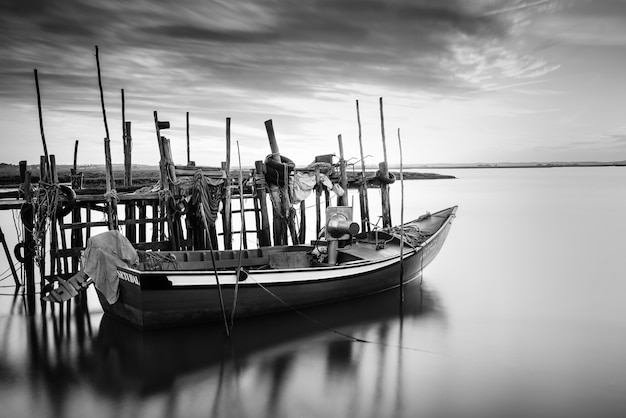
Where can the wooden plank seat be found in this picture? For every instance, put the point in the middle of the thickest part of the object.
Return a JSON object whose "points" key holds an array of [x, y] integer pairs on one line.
{"points": [[201, 260]]}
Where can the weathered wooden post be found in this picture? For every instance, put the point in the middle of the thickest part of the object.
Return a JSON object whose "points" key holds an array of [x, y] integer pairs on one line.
{"points": [[54, 219], [363, 203], [29, 242], [76, 177], [126, 141], [227, 211], [343, 176], [76, 235], [110, 186], [259, 184], [384, 174], [401, 221], [129, 206], [158, 125], [280, 204], [46, 166], [110, 180], [7, 253], [188, 147], [318, 202]]}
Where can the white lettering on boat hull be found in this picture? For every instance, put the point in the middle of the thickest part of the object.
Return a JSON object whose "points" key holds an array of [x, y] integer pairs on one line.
{"points": [[131, 278]]}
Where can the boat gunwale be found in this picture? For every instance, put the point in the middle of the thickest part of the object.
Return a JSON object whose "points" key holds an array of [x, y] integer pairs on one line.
{"points": [[410, 251]]}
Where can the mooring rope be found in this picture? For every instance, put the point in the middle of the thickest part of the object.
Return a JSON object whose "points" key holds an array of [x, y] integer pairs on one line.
{"points": [[335, 331]]}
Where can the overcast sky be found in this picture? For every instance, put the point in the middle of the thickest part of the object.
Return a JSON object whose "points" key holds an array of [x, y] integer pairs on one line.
{"points": [[464, 80]]}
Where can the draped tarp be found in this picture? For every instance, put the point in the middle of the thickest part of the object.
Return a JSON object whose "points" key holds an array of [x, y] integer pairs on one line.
{"points": [[103, 254]]}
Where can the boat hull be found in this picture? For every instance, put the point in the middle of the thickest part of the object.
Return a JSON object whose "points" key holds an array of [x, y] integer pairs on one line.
{"points": [[171, 298]]}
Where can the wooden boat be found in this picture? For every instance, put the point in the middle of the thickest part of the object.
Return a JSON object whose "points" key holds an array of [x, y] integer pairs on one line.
{"points": [[172, 288]]}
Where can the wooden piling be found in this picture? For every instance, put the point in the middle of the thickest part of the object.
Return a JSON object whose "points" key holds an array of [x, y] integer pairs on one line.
{"points": [[126, 141], [76, 177], [110, 186], [7, 253], [280, 204], [129, 207], [46, 168], [29, 244], [384, 173], [318, 203], [54, 259], [110, 180], [259, 184], [363, 203], [188, 147], [343, 176], [227, 211], [401, 221]]}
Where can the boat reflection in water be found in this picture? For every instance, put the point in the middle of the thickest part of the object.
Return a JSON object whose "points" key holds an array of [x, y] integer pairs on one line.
{"points": [[264, 355]]}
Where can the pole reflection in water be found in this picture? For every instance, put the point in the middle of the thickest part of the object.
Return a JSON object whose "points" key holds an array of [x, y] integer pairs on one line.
{"points": [[274, 360], [337, 360]]}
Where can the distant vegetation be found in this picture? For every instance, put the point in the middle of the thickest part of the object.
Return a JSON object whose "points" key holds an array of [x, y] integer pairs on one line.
{"points": [[148, 174]]}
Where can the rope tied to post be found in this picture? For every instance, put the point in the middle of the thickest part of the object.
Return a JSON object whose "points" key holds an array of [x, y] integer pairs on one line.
{"points": [[277, 173]]}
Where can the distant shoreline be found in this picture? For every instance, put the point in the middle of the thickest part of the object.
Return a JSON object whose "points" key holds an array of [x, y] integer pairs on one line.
{"points": [[94, 176], [148, 174]]}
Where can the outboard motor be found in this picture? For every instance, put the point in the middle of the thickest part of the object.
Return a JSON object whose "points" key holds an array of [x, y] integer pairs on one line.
{"points": [[339, 227]]}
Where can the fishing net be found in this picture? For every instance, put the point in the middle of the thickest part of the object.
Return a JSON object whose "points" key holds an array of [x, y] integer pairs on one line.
{"points": [[206, 196]]}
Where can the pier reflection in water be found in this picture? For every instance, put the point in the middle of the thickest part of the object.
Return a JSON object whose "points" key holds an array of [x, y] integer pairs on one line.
{"points": [[332, 360]]}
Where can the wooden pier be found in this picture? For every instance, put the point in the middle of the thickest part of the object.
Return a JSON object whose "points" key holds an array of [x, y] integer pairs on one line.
{"points": [[189, 207]]}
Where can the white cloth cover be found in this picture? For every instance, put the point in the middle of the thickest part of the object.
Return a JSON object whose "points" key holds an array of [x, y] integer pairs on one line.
{"points": [[103, 254]]}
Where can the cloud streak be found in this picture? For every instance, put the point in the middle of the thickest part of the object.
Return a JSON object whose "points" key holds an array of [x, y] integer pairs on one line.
{"points": [[257, 58]]}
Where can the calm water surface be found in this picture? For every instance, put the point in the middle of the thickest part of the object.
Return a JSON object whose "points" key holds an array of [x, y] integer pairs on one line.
{"points": [[522, 314]]}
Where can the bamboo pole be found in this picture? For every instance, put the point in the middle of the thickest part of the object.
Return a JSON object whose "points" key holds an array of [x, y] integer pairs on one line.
{"points": [[363, 203], [46, 170]]}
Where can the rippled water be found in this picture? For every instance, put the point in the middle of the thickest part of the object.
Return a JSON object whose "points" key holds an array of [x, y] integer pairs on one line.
{"points": [[523, 314]]}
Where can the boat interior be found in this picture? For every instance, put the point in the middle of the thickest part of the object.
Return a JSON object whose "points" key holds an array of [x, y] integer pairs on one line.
{"points": [[371, 245], [363, 247]]}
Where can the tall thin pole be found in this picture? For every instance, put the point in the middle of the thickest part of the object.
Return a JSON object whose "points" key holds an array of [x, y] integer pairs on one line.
{"points": [[217, 277], [188, 150], [342, 200], [110, 180], [382, 129], [227, 212], [365, 224], [43, 137], [241, 240], [384, 171], [104, 112], [401, 222]]}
